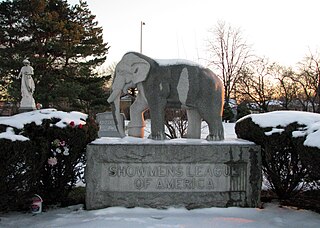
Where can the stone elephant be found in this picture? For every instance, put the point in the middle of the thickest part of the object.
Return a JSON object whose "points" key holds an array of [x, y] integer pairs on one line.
{"points": [[168, 83]]}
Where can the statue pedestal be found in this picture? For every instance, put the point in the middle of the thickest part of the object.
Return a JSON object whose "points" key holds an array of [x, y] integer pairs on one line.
{"points": [[185, 173], [27, 104]]}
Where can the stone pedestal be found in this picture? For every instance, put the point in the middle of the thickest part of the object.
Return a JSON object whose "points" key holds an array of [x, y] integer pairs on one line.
{"points": [[191, 174], [27, 104]]}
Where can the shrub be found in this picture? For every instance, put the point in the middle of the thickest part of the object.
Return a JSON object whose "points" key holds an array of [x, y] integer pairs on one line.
{"points": [[15, 176], [242, 110], [228, 114], [287, 163], [176, 123], [25, 168], [310, 158]]}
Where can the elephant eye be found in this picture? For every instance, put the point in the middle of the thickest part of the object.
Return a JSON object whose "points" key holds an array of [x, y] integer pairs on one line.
{"points": [[136, 70]]}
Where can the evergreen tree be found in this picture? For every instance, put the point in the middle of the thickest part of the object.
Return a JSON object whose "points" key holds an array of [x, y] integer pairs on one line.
{"points": [[227, 113], [64, 44]]}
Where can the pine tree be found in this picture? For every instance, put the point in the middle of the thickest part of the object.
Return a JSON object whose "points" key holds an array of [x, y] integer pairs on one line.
{"points": [[64, 44], [9, 38]]}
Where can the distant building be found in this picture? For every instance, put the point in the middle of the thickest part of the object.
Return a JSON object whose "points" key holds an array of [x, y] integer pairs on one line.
{"points": [[274, 105]]}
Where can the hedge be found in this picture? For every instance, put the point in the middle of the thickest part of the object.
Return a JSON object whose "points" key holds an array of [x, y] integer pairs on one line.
{"points": [[289, 165], [49, 163]]}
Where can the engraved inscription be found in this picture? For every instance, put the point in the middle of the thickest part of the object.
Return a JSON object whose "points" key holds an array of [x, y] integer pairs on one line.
{"points": [[153, 177], [107, 125]]}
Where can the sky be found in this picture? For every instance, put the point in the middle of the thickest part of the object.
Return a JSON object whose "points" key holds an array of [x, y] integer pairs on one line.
{"points": [[284, 31]]}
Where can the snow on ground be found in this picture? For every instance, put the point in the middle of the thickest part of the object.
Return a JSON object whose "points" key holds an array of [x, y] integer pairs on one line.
{"points": [[118, 217]]}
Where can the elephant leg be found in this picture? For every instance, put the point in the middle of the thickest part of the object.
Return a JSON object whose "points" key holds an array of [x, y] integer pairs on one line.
{"points": [[136, 124], [213, 118], [157, 119], [216, 132], [194, 124]]}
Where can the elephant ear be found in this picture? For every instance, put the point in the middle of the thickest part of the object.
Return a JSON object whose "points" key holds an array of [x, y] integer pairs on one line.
{"points": [[140, 71], [139, 67]]}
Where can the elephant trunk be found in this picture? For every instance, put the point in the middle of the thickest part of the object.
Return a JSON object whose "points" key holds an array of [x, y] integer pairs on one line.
{"points": [[114, 95], [114, 101]]}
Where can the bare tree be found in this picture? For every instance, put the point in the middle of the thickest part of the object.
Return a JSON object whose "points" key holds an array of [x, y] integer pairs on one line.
{"points": [[256, 84], [229, 54], [309, 80], [176, 123], [286, 87]]}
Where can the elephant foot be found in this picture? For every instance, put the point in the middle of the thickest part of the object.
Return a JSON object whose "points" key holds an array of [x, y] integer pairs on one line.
{"points": [[159, 136], [215, 137], [216, 132]]}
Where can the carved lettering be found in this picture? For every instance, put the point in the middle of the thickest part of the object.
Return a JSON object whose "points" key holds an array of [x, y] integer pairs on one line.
{"points": [[145, 171], [217, 172], [181, 184], [210, 184], [170, 177], [107, 125]]}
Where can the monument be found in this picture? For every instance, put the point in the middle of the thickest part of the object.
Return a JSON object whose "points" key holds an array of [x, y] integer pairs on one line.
{"points": [[161, 173], [27, 102]]}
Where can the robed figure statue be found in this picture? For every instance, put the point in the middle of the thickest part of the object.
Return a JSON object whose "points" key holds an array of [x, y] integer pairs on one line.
{"points": [[27, 87]]}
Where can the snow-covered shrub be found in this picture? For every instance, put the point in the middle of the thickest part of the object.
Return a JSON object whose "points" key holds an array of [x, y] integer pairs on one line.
{"points": [[42, 152], [289, 145]]}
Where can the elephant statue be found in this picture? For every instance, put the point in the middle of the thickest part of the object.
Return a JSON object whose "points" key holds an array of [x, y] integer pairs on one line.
{"points": [[168, 83]]}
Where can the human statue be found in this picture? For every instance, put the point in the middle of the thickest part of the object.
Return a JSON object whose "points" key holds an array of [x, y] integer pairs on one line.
{"points": [[27, 87]]}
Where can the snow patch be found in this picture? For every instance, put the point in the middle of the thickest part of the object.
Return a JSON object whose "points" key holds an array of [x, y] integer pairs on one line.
{"points": [[273, 131], [9, 134], [283, 118], [133, 140], [172, 62], [18, 121]]}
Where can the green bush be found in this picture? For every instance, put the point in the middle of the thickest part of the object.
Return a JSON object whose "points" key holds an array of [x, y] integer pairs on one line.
{"points": [[287, 163], [25, 168], [242, 110], [228, 114], [15, 177]]}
